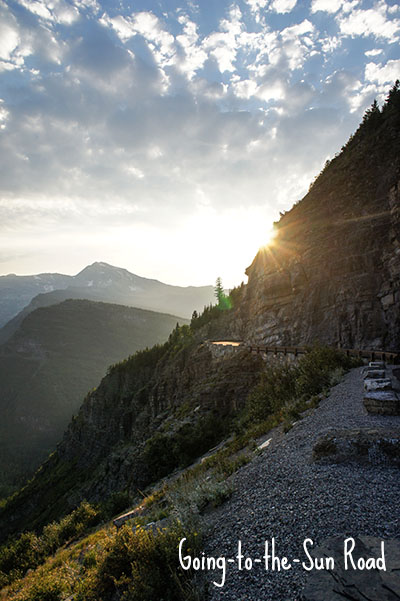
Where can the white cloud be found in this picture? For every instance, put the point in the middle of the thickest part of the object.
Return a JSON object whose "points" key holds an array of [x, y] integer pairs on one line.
{"points": [[245, 88], [3, 114], [329, 6], [149, 26], [256, 5], [333, 6], [374, 52], [283, 6], [272, 90], [297, 30], [362, 97], [87, 4], [123, 26], [372, 22], [9, 40], [222, 45], [383, 74], [330, 44], [194, 55], [134, 125], [134, 171], [52, 10]]}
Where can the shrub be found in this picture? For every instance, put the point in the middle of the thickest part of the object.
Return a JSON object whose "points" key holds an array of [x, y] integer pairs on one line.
{"points": [[316, 367], [276, 388], [142, 565], [18, 556], [29, 550], [283, 386], [48, 588], [165, 452], [192, 494]]}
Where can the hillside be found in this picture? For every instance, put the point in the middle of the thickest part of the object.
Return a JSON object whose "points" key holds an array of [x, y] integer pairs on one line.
{"points": [[332, 275], [19, 295], [57, 354]]}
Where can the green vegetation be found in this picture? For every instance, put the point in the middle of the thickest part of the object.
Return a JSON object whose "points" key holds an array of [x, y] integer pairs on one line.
{"points": [[30, 550], [285, 390], [141, 565], [226, 303], [135, 564], [165, 452]]}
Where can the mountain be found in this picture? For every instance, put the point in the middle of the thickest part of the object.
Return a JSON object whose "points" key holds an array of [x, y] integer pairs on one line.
{"points": [[99, 282], [16, 291], [332, 275], [55, 357]]}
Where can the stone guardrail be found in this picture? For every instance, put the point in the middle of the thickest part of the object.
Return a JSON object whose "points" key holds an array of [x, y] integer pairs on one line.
{"points": [[372, 355]]}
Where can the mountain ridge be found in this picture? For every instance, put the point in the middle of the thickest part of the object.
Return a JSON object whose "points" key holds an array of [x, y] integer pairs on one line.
{"points": [[99, 281]]}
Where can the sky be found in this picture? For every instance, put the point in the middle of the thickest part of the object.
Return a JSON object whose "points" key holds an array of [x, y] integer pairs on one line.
{"points": [[164, 136]]}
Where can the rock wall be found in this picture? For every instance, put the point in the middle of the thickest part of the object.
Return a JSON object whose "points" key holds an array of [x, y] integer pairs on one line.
{"points": [[332, 273]]}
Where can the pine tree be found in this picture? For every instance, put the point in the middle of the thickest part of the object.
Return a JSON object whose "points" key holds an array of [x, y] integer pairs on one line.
{"points": [[219, 291], [224, 302]]}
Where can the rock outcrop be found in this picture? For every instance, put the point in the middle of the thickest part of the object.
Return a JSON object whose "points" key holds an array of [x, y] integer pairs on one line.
{"points": [[332, 273]]}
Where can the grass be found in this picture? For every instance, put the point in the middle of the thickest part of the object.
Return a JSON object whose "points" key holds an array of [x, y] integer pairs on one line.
{"points": [[131, 563]]}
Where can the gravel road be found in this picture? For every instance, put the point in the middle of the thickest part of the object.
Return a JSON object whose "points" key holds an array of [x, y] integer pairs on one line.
{"points": [[282, 494]]}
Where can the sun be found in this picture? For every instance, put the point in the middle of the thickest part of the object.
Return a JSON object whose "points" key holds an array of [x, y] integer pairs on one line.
{"points": [[270, 236]]}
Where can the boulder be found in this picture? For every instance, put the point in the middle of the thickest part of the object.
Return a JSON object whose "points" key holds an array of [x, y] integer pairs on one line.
{"points": [[382, 402], [377, 364], [372, 384], [375, 373]]}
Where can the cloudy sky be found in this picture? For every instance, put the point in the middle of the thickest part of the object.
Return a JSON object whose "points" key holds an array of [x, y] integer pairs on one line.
{"points": [[166, 136]]}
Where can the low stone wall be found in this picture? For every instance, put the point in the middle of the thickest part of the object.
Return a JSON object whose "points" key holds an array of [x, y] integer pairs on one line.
{"points": [[378, 447]]}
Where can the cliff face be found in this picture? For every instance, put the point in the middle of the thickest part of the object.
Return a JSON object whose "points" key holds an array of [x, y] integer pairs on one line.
{"points": [[332, 273]]}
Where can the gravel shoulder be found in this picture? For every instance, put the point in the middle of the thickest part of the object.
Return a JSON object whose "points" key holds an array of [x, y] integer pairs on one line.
{"points": [[283, 494]]}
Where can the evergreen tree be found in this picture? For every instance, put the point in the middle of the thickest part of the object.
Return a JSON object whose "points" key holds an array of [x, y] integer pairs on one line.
{"points": [[224, 301], [219, 290]]}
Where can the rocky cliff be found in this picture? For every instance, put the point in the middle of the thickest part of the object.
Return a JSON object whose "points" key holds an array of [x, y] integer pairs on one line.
{"points": [[332, 273]]}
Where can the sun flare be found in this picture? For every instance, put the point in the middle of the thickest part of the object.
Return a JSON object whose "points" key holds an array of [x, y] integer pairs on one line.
{"points": [[270, 236]]}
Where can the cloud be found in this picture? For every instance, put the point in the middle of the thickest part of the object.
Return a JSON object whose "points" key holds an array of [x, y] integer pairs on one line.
{"points": [[371, 22], [329, 6], [374, 52], [56, 11], [283, 6], [222, 45], [333, 6], [383, 74]]}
